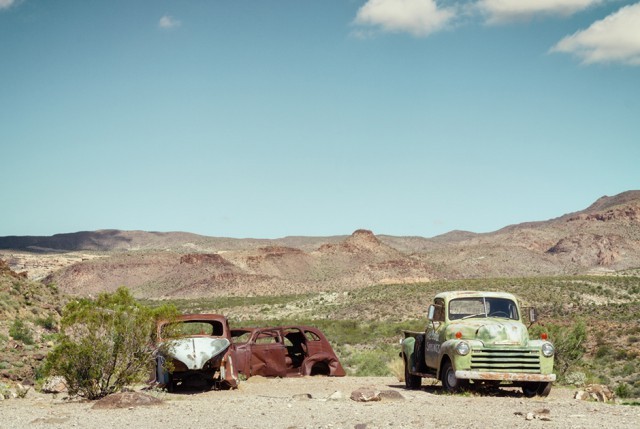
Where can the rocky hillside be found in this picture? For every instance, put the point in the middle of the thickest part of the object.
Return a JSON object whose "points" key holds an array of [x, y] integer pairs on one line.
{"points": [[357, 261], [29, 316], [603, 238]]}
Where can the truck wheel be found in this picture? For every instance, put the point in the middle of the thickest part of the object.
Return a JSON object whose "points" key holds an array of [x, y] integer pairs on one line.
{"points": [[529, 390], [411, 381], [450, 382], [544, 389]]}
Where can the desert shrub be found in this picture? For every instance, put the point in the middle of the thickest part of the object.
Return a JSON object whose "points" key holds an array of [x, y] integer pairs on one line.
{"points": [[628, 368], [21, 332], [372, 362], [569, 343], [369, 363], [576, 378], [48, 323], [604, 352], [104, 344], [623, 390]]}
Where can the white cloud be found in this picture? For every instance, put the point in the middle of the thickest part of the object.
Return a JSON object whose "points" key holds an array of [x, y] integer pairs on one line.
{"points": [[167, 22], [615, 38], [500, 11], [417, 17], [6, 4]]}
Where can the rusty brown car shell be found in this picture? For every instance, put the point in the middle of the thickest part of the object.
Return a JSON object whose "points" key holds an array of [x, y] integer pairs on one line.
{"points": [[284, 351]]}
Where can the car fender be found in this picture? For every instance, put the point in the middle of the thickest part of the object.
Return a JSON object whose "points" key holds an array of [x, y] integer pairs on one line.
{"points": [[335, 368]]}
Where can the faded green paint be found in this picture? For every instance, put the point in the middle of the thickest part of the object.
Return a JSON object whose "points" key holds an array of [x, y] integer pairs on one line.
{"points": [[489, 327]]}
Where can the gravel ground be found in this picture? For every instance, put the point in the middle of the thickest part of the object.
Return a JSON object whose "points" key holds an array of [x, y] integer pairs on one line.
{"points": [[321, 402]]}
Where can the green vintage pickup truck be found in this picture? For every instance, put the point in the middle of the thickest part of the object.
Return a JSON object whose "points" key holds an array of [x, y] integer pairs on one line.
{"points": [[478, 337]]}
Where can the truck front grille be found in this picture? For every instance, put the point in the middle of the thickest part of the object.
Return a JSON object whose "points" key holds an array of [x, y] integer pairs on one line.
{"points": [[505, 360]]}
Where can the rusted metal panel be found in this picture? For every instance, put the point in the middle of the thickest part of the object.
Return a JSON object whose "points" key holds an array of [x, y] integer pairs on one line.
{"points": [[504, 376], [195, 348], [285, 351]]}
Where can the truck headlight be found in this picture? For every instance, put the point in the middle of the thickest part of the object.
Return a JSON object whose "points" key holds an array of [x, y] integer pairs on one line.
{"points": [[548, 349], [462, 348]]}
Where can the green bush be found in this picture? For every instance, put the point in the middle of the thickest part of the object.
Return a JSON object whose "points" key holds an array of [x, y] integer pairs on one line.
{"points": [[21, 332], [569, 343], [105, 344], [604, 351], [48, 323], [370, 363], [623, 390]]}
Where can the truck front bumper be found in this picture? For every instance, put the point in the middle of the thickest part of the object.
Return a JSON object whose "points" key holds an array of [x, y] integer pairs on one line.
{"points": [[504, 376]]}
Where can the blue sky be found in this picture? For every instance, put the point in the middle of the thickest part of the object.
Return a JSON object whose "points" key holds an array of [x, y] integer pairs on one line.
{"points": [[268, 118]]}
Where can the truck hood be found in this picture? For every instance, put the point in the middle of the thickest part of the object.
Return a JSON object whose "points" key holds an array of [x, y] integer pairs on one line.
{"points": [[490, 331], [195, 352]]}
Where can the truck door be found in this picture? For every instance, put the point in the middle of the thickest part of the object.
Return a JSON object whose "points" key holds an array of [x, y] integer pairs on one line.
{"points": [[432, 336]]}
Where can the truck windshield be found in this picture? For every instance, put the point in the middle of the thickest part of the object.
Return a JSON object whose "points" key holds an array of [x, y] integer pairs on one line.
{"points": [[467, 308]]}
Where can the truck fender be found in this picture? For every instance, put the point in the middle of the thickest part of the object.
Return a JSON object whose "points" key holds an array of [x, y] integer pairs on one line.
{"points": [[447, 350], [408, 351]]}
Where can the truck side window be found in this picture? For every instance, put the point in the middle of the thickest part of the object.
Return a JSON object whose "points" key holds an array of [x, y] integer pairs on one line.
{"points": [[438, 316]]}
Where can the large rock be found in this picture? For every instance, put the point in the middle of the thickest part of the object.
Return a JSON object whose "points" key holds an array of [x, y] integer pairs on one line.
{"points": [[126, 400], [55, 384], [365, 395], [597, 392]]}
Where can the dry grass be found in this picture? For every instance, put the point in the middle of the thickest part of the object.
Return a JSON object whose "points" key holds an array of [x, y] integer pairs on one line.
{"points": [[396, 368]]}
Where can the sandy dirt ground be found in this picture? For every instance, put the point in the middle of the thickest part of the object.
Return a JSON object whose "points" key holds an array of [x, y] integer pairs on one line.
{"points": [[321, 402]]}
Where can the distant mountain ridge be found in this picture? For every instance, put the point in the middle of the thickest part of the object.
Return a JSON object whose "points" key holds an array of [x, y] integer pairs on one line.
{"points": [[109, 240], [603, 238]]}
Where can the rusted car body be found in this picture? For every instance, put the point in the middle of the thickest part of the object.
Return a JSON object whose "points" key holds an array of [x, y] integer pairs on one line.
{"points": [[284, 351], [195, 350]]}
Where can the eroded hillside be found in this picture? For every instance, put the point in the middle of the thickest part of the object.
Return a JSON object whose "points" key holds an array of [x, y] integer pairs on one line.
{"points": [[604, 238]]}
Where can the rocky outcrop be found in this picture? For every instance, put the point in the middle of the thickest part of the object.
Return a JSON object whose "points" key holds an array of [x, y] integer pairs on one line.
{"points": [[361, 241], [204, 259], [588, 249]]}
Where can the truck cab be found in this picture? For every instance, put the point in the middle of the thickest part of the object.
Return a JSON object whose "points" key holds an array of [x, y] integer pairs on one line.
{"points": [[479, 338]]}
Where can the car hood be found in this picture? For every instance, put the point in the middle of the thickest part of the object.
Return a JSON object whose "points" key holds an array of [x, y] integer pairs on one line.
{"points": [[490, 331], [195, 352]]}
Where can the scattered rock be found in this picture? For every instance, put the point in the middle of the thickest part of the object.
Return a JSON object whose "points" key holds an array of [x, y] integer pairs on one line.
{"points": [[336, 396], [541, 414], [21, 391], [365, 395], [597, 392], [126, 400], [55, 384], [302, 396], [581, 395], [391, 395]]}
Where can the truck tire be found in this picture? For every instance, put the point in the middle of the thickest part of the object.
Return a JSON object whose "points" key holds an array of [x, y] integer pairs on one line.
{"points": [[411, 381], [529, 390], [544, 389], [450, 382]]}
